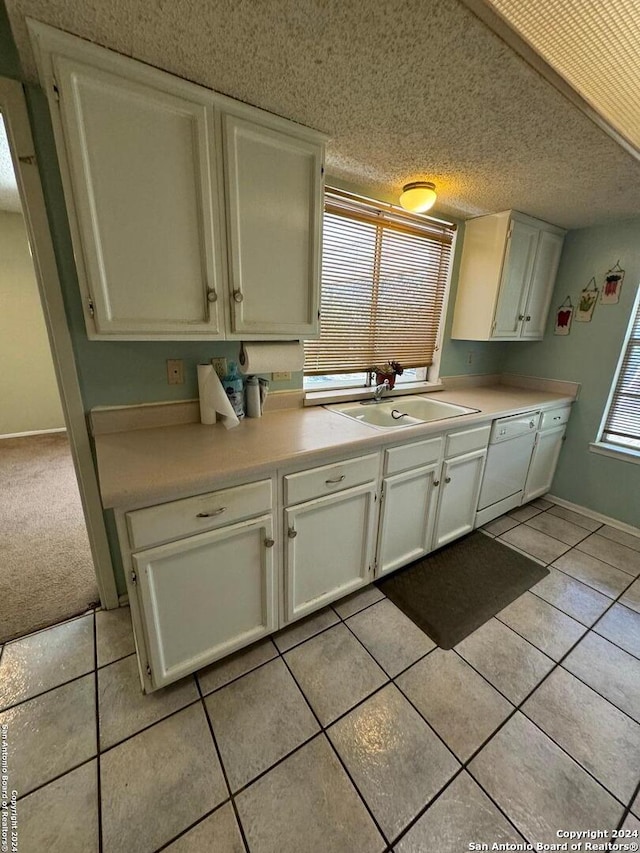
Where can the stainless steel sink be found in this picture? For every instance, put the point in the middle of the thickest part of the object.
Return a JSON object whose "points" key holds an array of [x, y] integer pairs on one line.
{"points": [[400, 412]]}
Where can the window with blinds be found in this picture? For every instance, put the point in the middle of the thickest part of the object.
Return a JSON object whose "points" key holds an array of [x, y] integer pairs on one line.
{"points": [[622, 419], [384, 279]]}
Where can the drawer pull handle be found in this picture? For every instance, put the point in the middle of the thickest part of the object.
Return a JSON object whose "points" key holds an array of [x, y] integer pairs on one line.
{"points": [[447, 479], [292, 533], [557, 418], [436, 482], [237, 296], [212, 513], [335, 480], [269, 543]]}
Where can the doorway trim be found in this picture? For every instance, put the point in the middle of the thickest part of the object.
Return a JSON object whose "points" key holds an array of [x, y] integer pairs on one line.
{"points": [[16, 118]]}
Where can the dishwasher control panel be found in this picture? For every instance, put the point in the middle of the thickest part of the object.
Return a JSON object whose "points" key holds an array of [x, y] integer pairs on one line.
{"points": [[506, 428]]}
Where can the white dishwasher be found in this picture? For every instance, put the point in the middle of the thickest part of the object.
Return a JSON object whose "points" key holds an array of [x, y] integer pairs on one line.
{"points": [[510, 448]]}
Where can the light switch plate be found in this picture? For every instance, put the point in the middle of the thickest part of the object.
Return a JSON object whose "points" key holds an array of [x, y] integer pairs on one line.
{"points": [[282, 376]]}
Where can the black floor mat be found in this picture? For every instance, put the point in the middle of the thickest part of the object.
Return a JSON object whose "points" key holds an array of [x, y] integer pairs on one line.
{"points": [[453, 591]]}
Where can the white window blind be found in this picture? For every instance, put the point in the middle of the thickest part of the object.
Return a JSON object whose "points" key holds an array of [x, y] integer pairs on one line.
{"points": [[622, 422], [384, 277]]}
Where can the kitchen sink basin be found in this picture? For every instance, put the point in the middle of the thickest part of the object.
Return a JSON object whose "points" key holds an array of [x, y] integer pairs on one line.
{"points": [[401, 411]]}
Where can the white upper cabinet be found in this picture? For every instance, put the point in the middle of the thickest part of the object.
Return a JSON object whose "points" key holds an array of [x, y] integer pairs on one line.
{"points": [[193, 216], [140, 167], [273, 183], [507, 272]]}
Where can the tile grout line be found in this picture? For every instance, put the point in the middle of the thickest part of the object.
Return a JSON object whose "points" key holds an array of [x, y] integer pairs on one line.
{"points": [[193, 825], [323, 731], [88, 612], [519, 707], [59, 776], [627, 809], [222, 767], [569, 547]]}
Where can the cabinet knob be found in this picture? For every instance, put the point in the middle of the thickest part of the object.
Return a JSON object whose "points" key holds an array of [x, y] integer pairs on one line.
{"points": [[528, 317], [212, 512], [520, 316], [238, 296], [292, 533], [212, 296], [269, 543], [436, 482], [447, 479]]}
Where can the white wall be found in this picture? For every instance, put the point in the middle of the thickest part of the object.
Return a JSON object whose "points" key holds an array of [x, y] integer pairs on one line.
{"points": [[29, 398]]}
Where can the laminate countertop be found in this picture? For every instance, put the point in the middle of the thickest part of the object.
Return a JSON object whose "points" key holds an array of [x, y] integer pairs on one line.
{"points": [[146, 466]]}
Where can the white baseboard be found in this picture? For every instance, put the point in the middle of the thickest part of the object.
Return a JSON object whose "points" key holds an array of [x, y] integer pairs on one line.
{"points": [[32, 432], [597, 516]]}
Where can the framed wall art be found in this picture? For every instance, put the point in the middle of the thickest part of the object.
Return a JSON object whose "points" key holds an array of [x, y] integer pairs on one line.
{"points": [[563, 318], [612, 285], [587, 302]]}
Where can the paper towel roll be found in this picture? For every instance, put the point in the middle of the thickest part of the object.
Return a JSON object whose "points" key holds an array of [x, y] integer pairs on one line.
{"points": [[205, 392], [267, 356], [213, 398]]}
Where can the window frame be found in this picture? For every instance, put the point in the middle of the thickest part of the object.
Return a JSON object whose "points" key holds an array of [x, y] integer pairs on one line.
{"points": [[601, 445], [431, 380]]}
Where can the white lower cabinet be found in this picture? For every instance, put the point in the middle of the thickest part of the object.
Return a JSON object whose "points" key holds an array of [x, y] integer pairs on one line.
{"points": [[406, 517], [543, 463], [459, 490], [546, 451], [329, 548], [206, 596]]}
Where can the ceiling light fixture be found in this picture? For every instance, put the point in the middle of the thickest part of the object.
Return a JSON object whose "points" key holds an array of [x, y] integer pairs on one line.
{"points": [[418, 196]]}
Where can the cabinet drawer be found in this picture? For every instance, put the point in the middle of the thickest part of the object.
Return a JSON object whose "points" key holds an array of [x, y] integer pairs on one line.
{"points": [[412, 455], [555, 417], [329, 478], [467, 440], [193, 515]]}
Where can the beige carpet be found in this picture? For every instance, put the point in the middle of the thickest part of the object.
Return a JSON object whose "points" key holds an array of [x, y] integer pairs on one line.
{"points": [[46, 570]]}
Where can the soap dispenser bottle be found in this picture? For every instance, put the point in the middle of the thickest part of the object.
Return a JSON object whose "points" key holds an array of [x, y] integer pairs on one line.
{"points": [[233, 387]]}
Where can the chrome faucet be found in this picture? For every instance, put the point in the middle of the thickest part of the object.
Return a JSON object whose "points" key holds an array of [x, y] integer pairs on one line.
{"points": [[380, 389]]}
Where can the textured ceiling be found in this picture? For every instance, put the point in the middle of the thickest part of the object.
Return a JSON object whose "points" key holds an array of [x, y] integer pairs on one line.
{"points": [[406, 89], [594, 46], [9, 198]]}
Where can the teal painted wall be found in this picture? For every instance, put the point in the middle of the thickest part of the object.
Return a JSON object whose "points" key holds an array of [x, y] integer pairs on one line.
{"points": [[589, 355]]}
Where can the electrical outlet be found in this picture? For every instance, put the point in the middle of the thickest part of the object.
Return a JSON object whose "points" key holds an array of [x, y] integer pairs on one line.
{"points": [[220, 366], [470, 357], [175, 371], [282, 376]]}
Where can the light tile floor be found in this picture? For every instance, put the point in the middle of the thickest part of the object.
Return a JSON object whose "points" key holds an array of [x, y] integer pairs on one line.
{"points": [[349, 732]]}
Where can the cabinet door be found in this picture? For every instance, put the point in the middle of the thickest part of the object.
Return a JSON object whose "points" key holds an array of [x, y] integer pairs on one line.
{"points": [[516, 274], [542, 280], [407, 516], [274, 213], [206, 596], [459, 491], [140, 164], [329, 548], [543, 463]]}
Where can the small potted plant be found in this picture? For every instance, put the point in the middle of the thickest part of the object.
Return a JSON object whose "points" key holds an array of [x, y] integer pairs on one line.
{"points": [[388, 371]]}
